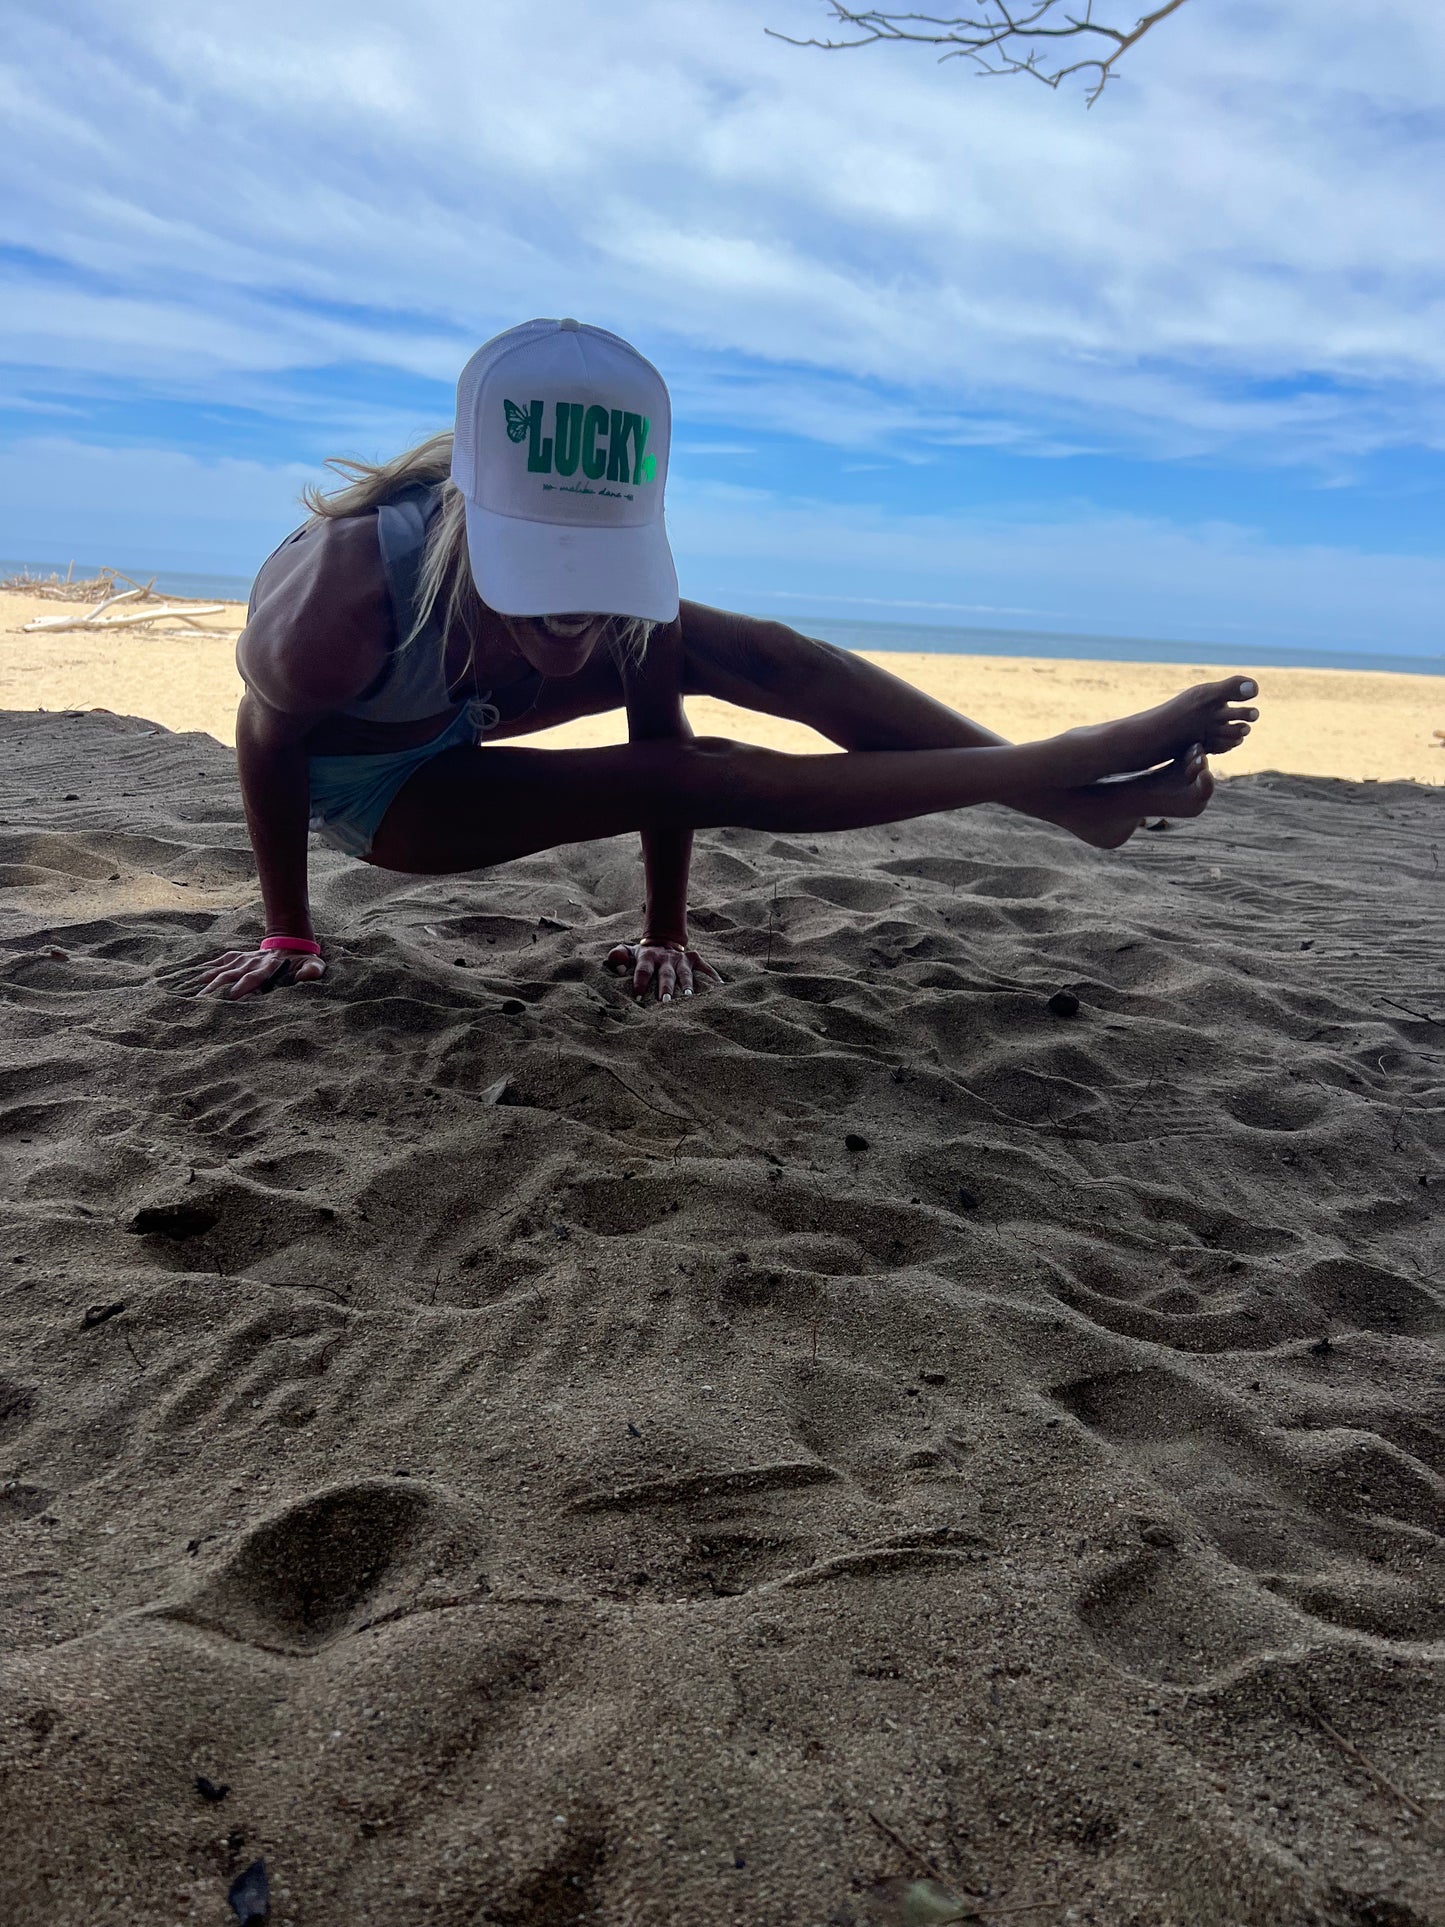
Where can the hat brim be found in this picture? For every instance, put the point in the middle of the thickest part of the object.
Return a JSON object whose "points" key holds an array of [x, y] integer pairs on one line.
{"points": [[540, 569]]}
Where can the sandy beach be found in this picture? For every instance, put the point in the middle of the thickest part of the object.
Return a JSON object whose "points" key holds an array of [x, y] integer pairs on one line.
{"points": [[961, 1402], [1325, 722]]}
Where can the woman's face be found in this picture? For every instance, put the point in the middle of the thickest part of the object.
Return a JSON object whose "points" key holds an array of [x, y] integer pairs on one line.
{"points": [[558, 645]]}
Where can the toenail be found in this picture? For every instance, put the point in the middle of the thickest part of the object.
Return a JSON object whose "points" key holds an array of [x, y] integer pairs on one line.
{"points": [[1249, 688]]}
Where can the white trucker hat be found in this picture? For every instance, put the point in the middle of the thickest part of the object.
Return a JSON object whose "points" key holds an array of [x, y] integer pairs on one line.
{"points": [[561, 454]]}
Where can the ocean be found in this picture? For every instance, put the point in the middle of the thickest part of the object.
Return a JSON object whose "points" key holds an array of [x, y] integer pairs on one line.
{"points": [[924, 637], [927, 638]]}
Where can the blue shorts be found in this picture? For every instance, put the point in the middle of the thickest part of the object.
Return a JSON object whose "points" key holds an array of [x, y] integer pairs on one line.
{"points": [[351, 794]]}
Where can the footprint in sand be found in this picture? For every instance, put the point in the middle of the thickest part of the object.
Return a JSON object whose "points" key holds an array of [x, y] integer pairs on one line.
{"points": [[1337, 1524], [331, 1564], [1165, 1615], [17, 1407]]}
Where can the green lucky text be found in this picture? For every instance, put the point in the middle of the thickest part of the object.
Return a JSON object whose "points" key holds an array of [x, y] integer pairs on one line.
{"points": [[608, 443]]}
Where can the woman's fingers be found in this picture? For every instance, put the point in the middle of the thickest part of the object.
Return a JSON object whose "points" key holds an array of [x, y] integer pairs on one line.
{"points": [[302, 970], [244, 976], [240, 972], [667, 971], [249, 980], [186, 976], [271, 963], [202, 983]]}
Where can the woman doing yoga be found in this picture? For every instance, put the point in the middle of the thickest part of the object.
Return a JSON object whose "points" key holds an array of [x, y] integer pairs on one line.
{"points": [[517, 575]]}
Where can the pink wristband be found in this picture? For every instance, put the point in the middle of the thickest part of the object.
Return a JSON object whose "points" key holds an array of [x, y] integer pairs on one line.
{"points": [[303, 945]]}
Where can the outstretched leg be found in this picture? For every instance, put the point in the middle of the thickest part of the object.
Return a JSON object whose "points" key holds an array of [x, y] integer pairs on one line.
{"points": [[468, 808], [768, 667]]}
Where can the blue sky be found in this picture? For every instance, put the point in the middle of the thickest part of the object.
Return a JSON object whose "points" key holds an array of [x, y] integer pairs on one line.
{"points": [[941, 349]]}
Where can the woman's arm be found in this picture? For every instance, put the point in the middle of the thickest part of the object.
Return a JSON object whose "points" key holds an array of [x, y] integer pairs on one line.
{"points": [[275, 789], [653, 694], [315, 637], [652, 691], [271, 755]]}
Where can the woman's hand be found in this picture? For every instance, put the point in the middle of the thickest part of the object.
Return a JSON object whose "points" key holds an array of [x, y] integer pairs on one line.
{"points": [[240, 972], [668, 969]]}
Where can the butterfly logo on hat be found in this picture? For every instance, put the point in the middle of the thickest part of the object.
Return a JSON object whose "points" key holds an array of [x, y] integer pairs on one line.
{"points": [[518, 421]]}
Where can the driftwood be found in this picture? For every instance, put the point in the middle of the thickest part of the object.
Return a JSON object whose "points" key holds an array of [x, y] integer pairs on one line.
{"points": [[106, 600], [128, 619], [138, 592]]}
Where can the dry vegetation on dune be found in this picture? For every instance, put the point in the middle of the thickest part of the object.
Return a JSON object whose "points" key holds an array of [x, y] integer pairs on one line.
{"points": [[553, 1462], [55, 587]]}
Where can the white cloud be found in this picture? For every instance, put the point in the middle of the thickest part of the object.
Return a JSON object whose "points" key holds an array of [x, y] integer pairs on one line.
{"points": [[218, 516], [1256, 202], [1080, 570], [65, 328]]}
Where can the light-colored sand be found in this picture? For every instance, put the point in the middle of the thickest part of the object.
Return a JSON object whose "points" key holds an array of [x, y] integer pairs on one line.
{"points": [[859, 1398], [1318, 722]]}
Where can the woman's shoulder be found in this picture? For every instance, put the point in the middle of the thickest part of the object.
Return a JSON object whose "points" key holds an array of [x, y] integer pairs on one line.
{"points": [[320, 621]]}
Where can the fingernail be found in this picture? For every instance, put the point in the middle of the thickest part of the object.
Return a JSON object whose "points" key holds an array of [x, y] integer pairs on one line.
{"points": [[666, 997], [687, 993], [1249, 688]]}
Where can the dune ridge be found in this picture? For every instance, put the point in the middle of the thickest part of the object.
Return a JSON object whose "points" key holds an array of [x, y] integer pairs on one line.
{"points": [[553, 1461]]}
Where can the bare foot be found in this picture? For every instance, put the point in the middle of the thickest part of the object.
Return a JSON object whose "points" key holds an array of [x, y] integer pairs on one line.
{"points": [[1204, 718], [1107, 814]]}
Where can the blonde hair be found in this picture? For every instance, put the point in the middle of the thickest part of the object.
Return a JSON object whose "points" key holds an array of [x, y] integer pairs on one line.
{"points": [[444, 583]]}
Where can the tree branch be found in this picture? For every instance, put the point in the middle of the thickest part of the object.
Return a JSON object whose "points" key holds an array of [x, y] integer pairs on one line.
{"points": [[1001, 37]]}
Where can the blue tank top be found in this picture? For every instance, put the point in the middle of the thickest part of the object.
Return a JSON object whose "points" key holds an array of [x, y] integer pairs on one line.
{"points": [[413, 685]]}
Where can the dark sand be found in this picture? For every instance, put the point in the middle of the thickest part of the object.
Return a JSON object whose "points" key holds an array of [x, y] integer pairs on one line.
{"points": [[612, 1503]]}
